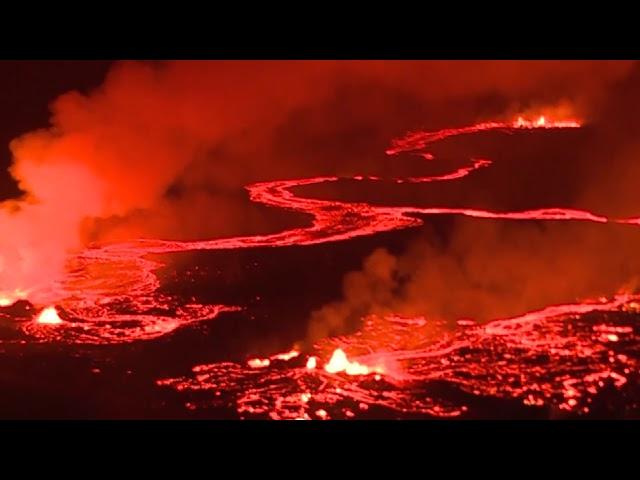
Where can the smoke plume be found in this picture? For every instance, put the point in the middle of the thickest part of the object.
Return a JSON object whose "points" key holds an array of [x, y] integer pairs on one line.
{"points": [[485, 270], [163, 149]]}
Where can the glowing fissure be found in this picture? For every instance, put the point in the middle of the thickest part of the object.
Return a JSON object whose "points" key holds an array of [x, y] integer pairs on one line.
{"points": [[117, 274], [379, 366], [107, 275], [553, 357], [340, 363], [532, 358], [336, 220]]}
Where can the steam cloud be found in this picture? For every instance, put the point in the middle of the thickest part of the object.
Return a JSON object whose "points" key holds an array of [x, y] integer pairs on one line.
{"points": [[161, 145], [485, 270]]}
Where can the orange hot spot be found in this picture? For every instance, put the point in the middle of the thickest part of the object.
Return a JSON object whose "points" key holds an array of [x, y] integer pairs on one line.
{"points": [[312, 363], [9, 298], [340, 363], [258, 363], [322, 414], [49, 316], [287, 356], [544, 122]]}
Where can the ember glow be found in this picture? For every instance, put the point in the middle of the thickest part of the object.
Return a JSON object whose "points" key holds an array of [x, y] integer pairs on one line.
{"points": [[549, 358], [113, 294], [312, 363], [542, 122], [49, 316], [504, 347], [340, 363], [130, 280]]}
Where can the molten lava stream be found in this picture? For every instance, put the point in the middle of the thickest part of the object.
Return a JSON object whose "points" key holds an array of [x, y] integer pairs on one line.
{"points": [[504, 360], [112, 295], [335, 220], [500, 359]]}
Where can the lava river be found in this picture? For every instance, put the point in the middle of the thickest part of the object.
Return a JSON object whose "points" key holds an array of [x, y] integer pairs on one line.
{"points": [[560, 357]]}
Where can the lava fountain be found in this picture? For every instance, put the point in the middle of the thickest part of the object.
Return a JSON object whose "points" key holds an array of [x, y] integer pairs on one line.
{"points": [[49, 316]]}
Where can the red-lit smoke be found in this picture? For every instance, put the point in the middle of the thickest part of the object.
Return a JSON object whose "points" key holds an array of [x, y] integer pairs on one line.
{"points": [[153, 149]]}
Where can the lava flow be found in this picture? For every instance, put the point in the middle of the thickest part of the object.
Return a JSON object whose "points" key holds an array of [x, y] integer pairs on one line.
{"points": [[559, 357], [110, 291], [340, 363]]}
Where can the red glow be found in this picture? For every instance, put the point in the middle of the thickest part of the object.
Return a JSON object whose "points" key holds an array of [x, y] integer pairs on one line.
{"points": [[419, 140], [322, 414], [312, 362], [287, 356], [49, 316], [500, 358], [340, 363], [120, 273], [259, 362], [5, 301], [504, 347]]}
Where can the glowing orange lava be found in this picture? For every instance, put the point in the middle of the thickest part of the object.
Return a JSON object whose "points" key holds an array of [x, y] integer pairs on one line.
{"points": [[340, 363], [265, 362], [122, 274], [312, 363], [287, 355], [49, 316], [130, 276], [259, 362], [554, 356], [550, 357], [544, 122]]}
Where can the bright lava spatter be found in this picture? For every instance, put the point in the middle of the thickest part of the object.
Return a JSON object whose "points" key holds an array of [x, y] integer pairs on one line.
{"points": [[111, 296], [559, 357], [556, 357], [49, 316]]}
